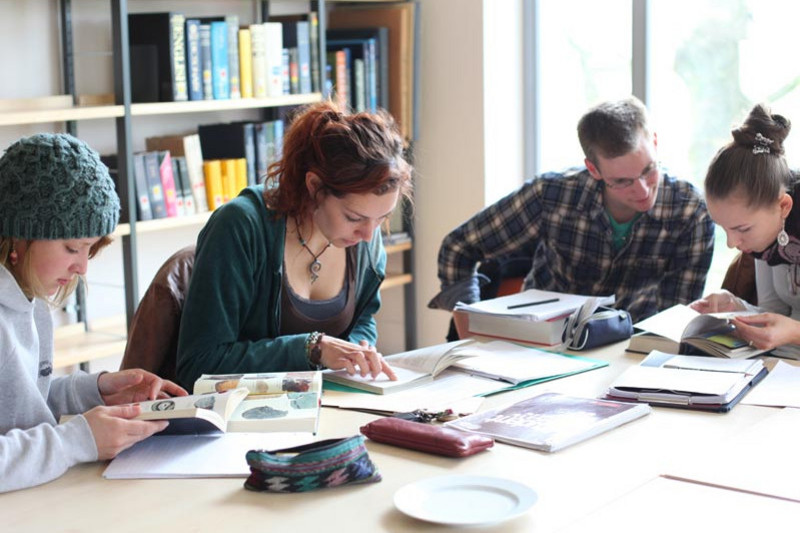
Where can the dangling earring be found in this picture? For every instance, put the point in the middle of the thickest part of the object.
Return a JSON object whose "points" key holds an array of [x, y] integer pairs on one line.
{"points": [[13, 257], [783, 237]]}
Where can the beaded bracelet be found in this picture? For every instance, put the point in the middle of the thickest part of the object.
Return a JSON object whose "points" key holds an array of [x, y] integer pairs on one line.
{"points": [[313, 350]]}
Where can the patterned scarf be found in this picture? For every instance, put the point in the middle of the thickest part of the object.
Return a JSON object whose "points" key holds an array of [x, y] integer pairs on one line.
{"points": [[776, 254]]}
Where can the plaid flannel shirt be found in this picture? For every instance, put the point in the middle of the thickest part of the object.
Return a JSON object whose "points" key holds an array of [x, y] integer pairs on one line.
{"points": [[560, 220]]}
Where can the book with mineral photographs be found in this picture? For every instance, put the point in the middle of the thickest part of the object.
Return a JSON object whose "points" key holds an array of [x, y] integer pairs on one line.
{"points": [[268, 402], [681, 329], [551, 421]]}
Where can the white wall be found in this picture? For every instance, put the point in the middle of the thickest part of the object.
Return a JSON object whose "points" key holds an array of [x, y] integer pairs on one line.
{"points": [[470, 148]]}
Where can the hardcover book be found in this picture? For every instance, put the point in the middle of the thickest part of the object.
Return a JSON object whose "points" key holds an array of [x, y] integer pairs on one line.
{"points": [[165, 34], [268, 402], [194, 68], [681, 329], [551, 421]]}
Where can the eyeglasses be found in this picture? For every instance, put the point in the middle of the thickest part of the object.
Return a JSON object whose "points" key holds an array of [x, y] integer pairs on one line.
{"points": [[649, 172]]}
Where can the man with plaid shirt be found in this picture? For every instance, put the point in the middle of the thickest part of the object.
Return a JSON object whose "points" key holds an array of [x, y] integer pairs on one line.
{"points": [[618, 226]]}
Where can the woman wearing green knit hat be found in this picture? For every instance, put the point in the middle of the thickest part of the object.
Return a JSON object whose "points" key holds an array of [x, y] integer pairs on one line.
{"points": [[57, 209]]}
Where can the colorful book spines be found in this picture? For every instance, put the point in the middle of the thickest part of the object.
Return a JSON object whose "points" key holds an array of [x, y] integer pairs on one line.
{"points": [[213, 177]]}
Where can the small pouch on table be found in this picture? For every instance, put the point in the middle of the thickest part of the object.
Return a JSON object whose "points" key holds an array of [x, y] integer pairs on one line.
{"points": [[604, 326], [318, 465], [426, 437]]}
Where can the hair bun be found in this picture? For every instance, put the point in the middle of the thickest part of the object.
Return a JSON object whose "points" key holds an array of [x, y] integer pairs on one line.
{"points": [[763, 132]]}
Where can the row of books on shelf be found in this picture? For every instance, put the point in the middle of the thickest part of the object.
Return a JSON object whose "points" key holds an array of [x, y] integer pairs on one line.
{"points": [[175, 57], [186, 174], [179, 58]]}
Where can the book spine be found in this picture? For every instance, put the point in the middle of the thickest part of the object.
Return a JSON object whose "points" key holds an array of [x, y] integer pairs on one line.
{"points": [[294, 71], [176, 177], [260, 131], [220, 81], [342, 91], [273, 54], [245, 63], [242, 175], [286, 71], [304, 57], [359, 85], [228, 168], [168, 182], [313, 37], [140, 185], [180, 91], [277, 127], [212, 171], [194, 169], [186, 186], [205, 61], [154, 187], [249, 138], [233, 55], [194, 69], [258, 44]]}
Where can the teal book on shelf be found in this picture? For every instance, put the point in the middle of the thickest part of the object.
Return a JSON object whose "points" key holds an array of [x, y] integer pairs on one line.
{"points": [[220, 81], [194, 67]]}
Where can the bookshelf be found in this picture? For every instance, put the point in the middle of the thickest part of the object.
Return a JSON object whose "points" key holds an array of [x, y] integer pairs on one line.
{"points": [[92, 339]]}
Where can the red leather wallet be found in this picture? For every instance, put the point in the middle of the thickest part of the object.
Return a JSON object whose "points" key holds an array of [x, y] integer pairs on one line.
{"points": [[426, 437]]}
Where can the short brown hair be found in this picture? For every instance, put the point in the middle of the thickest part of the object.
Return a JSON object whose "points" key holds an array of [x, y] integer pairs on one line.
{"points": [[612, 129]]}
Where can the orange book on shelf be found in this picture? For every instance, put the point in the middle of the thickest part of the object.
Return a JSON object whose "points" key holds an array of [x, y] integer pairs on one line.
{"points": [[229, 191], [241, 174], [245, 63], [213, 176]]}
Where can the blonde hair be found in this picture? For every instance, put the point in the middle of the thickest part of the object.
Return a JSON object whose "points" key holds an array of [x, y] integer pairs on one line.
{"points": [[27, 279]]}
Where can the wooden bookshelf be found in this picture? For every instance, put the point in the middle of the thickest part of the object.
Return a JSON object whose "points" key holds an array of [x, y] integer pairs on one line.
{"points": [[200, 106], [396, 280], [81, 343]]}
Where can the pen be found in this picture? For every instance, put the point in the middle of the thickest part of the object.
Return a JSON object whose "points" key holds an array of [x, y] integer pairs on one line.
{"points": [[540, 302]]}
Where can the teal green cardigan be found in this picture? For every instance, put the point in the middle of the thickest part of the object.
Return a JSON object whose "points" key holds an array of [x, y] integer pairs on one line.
{"points": [[232, 314]]}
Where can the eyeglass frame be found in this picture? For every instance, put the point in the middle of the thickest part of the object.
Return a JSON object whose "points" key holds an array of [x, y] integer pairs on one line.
{"points": [[624, 183]]}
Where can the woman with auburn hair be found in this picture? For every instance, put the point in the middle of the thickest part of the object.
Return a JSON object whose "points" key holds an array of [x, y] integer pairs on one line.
{"points": [[286, 275]]}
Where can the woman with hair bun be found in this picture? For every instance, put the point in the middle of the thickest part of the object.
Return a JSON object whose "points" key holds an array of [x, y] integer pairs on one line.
{"points": [[286, 275], [755, 197]]}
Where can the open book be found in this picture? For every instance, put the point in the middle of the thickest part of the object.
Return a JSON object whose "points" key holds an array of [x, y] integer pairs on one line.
{"points": [[682, 329], [269, 402], [690, 381], [551, 421], [512, 363], [533, 315]]}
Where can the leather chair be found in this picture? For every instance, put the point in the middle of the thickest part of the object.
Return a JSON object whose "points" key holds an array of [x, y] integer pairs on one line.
{"points": [[740, 279], [153, 336]]}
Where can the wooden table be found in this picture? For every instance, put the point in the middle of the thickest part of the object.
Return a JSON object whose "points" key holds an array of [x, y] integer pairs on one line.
{"points": [[572, 484]]}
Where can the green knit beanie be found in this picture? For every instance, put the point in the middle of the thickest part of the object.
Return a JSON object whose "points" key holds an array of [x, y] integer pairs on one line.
{"points": [[53, 186]]}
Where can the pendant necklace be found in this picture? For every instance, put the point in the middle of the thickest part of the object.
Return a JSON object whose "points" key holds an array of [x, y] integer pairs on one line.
{"points": [[315, 266]]}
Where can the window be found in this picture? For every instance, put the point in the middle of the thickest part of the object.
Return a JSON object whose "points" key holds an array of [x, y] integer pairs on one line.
{"points": [[710, 61]]}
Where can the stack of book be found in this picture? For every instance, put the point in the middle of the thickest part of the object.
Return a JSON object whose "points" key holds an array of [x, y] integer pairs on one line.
{"points": [[688, 381], [533, 316]]}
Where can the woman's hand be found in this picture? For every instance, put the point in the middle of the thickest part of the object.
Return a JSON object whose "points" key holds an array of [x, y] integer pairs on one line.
{"points": [[766, 331], [718, 302], [114, 431], [339, 354], [135, 385]]}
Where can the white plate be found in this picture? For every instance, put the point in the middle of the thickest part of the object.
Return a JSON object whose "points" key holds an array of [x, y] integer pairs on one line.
{"points": [[464, 500]]}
